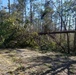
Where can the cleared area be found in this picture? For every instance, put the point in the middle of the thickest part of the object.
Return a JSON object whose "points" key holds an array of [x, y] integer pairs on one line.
{"points": [[29, 62]]}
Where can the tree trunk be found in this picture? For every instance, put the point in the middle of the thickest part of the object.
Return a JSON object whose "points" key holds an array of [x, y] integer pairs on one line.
{"points": [[25, 10], [9, 6], [31, 11]]}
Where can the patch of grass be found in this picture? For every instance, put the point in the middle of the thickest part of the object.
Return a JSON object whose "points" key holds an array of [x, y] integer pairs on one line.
{"points": [[22, 68], [17, 59]]}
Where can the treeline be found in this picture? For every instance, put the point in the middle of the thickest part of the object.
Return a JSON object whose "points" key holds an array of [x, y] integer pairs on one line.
{"points": [[22, 20]]}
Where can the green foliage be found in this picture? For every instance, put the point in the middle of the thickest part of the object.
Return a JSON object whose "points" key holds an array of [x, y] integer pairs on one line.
{"points": [[23, 39], [6, 28], [46, 44], [18, 28]]}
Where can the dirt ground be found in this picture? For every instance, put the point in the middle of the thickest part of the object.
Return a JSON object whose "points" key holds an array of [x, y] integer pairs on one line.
{"points": [[29, 62]]}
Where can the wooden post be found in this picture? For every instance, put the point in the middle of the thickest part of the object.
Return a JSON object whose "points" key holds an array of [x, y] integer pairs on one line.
{"points": [[68, 43], [75, 38]]}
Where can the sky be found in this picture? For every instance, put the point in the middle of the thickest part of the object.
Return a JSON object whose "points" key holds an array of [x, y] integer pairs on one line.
{"points": [[5, 2]]}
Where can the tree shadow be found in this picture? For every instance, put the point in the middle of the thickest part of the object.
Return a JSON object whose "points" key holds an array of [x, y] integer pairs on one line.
{"points": [[58, 63]]}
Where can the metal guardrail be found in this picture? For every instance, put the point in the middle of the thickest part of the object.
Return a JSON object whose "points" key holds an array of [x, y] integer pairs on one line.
{"points": [[56, 32]]}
